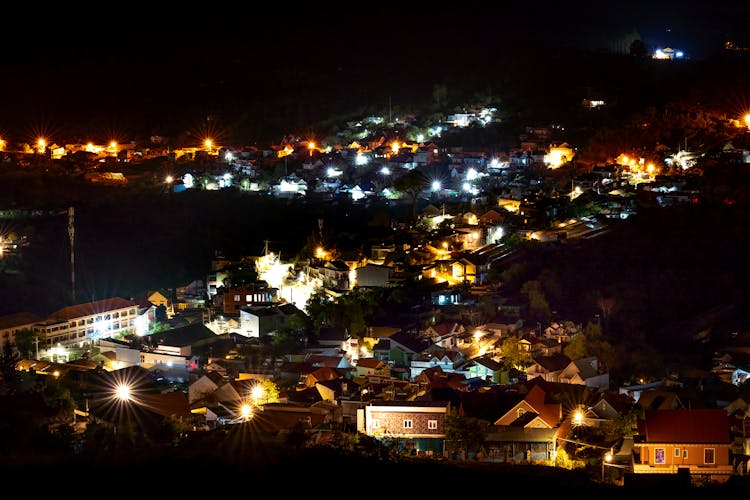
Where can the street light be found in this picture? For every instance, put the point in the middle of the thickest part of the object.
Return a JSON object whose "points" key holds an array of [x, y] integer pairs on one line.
{"points": [[257, 393], [606, 461], [246, 411], [123, 392]]}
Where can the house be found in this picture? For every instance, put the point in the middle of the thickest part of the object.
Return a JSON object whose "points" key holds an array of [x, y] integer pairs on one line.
{"points": [[204, 387], [414, 426], [447, 359], [587, 371], [658, 399], [260, 320], [235, 298], [444, 333], [486, 368], [181, 341], [400, 348], [548, 367], [373, 275], [11, 324], [435, 378], [528, 431], [335, 275], [321, 374], [695, 442], [372, 366]]}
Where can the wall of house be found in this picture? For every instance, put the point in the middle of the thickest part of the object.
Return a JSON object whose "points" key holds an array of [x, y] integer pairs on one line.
{"points": [[673, 456]]}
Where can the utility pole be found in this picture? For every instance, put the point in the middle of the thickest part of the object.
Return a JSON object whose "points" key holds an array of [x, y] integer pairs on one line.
{"points": [[72, 236]]}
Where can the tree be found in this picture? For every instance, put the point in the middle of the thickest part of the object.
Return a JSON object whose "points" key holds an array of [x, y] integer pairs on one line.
{"points": [[512, 352], [463, 434], [577, 347], [25, 342], [412, 183], [638, 49]]}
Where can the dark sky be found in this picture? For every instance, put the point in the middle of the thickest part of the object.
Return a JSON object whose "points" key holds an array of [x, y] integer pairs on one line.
{"points": [[124, 66]]}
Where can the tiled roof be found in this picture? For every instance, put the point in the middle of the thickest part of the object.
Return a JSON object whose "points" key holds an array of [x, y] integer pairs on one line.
{"points": [[19, 319], [91, 308], [370, 363], [553, 363], [687, 426], [183, 336]]}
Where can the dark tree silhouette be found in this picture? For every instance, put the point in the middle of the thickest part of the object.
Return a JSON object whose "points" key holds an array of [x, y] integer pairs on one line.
{"points": [[412, 183]]}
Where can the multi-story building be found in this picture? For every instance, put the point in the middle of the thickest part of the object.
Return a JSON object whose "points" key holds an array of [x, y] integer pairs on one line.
{"points": [[413, 425], [86, 322]]}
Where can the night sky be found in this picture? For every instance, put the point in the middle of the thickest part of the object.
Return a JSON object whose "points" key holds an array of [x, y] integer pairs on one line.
{"points": [[150, 69]]}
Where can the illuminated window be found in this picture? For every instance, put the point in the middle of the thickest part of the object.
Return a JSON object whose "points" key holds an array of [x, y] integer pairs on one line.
{"points": [[709, 456], [684, 454], [520, 412], [375, 423], [408, 424], [432, 425], [677, 452], [660, 456], [237, 298]]}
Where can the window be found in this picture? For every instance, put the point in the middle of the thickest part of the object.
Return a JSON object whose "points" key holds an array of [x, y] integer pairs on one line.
{"points": [[708, 456], [236, 298], [408, 424], [520, 412], [677, 453], [684, 453], [660, 456], [432, 425], [375, 423]]}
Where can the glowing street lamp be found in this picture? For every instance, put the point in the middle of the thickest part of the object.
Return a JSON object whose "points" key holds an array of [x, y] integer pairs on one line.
{"points": [[208, 143], [257, 394], [246, 411], [747, 120], [123, 392], [578, 417], [607, 459], [41, 145]]}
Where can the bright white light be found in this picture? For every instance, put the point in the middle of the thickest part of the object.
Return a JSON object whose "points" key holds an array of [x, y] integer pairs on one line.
{"points": [[420, 138], [100, 326], [332, 172], [122, 392], [467, 186], [246, 411], [471, 174], [436, 185], [385, 171], [141, 325], [228, 156], [188, 181], [357, 193], [361, 159], [679, 54], [257, 392], [288, 187], [227, 176]]}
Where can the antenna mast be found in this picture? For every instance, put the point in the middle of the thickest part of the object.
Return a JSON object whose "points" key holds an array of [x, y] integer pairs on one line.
{"points": [[72, 237]]}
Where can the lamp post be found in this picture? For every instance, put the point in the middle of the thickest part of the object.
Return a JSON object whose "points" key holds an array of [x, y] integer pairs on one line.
{"points": [[605, 461]]}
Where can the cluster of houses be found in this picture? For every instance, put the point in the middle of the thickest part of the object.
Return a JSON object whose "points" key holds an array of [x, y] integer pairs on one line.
{"points": [[412, 384]]}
